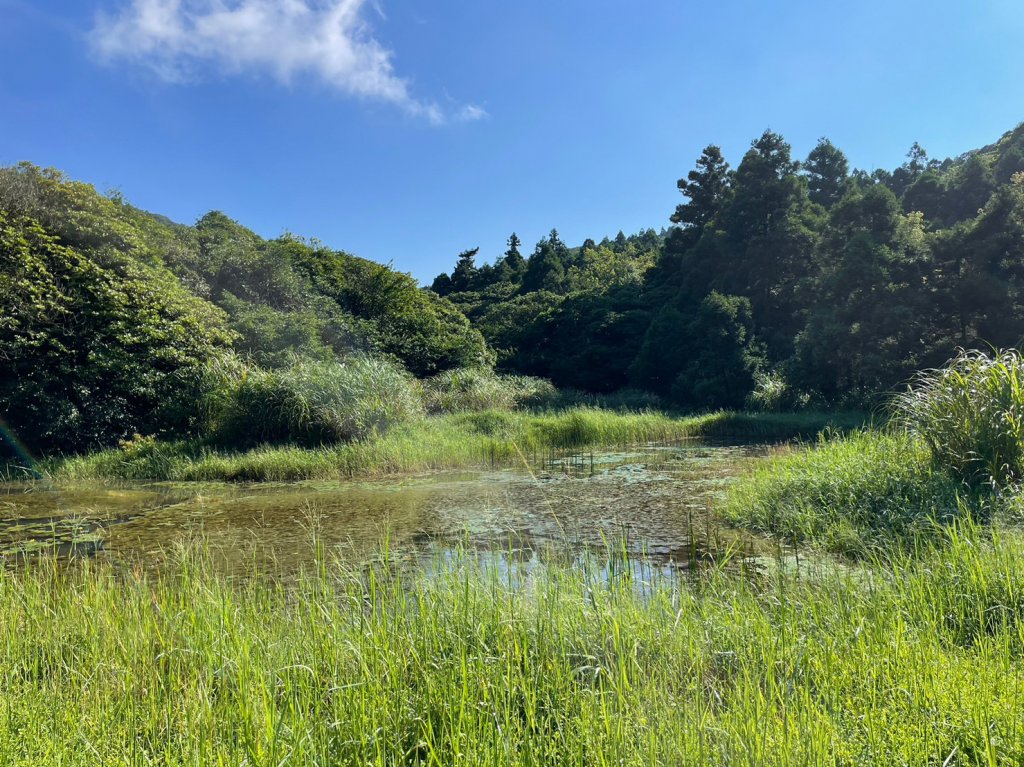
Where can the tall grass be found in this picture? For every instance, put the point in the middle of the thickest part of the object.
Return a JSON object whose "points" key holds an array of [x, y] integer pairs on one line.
{"points": [[853, 495], [479, 389], [971, 415], [308, 402], [470, 664], [463, 440], [956, 450]]}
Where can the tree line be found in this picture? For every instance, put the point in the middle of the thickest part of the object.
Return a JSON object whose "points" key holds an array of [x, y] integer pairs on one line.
{"points": [[780, 282]]}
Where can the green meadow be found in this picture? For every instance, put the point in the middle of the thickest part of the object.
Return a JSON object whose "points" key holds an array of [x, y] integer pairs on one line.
{"points": [[914, 660]]}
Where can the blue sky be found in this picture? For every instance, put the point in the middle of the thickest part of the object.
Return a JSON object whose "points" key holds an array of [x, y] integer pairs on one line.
{"points": [[407, 131]]}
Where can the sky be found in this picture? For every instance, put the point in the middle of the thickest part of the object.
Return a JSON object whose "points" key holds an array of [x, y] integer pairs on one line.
{"points": [[407, 132]]}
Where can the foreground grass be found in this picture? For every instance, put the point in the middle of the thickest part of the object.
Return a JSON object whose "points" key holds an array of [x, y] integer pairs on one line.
{"points": [[921, 664], [445, 442]]}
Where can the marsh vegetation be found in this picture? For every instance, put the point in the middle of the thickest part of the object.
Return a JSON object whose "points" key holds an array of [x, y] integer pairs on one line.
{"points": [[908, 660], [880, 621], [268, 503]]}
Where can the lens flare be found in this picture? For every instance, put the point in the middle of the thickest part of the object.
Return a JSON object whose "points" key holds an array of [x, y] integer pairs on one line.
{"points": [[22, 457]]}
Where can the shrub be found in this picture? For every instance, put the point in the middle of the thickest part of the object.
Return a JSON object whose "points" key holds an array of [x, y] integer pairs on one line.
{"points": [[95, 344], [309, 402], [773, 394], [970, 413], [479, 389]]}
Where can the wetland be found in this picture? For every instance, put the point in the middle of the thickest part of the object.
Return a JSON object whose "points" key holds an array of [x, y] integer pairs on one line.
{"points": [[655, 500]]}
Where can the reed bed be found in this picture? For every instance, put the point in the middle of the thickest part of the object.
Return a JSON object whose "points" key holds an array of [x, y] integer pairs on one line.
{"points": [[952, 449], [473, 664], [461, 440], [971, 415]]}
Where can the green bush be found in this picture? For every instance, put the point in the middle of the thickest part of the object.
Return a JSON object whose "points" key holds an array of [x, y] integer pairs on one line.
{"points": [[95, 344], [773, 393], [308, 402], [479, 389], [970, 413]]}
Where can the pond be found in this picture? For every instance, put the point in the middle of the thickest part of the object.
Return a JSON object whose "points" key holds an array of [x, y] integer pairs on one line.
{"points": [[652, 502]]}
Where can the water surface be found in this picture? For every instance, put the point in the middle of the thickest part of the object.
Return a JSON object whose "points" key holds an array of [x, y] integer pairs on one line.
{"points": [[651, 501]]}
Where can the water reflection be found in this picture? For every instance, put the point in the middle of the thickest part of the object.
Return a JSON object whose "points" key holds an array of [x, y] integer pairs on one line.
{"points": [[649, 503]]}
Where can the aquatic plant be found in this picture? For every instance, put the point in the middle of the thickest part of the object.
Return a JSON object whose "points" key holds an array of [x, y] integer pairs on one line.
{"points": [[853, 495], [442, 442]]}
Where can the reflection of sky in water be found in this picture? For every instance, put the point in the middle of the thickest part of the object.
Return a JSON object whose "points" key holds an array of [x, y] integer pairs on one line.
{"points": [[652, 501]]}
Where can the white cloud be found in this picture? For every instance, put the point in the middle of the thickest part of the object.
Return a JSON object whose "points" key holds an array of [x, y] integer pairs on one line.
{"points": [[471, 113], [329, 39]]}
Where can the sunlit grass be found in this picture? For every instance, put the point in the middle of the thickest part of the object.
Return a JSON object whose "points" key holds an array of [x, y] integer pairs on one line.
{"points": [[467, 665], [970, 413], [445, 442], [954, 449], [857, 494]]}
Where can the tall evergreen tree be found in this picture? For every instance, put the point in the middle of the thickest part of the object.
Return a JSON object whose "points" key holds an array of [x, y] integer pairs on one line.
{"points": [[827, 171], [706, 186], [546, 267], [465, 272], [871, 327], [511, 266], [768, 248]]}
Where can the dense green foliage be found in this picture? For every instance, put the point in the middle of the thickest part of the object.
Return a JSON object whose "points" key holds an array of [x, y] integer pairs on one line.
{"points": [[780, 285], [112, 318], [307, 402], [476, 389], [470, 664], [94, 345], [803, 279]]}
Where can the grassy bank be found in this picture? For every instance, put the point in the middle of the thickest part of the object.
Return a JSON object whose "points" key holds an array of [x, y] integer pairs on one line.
{"points": [[442, 442], [918, 665], [852, 495], [954, 450]]}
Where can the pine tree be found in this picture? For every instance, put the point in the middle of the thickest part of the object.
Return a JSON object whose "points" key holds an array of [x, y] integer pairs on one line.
{"points": [[511, 266], [707, 187], [827, 171], [546, 267], [465, 272]]}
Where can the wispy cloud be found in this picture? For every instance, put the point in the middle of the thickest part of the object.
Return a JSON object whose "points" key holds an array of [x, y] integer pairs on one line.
{"points": [[328, 39]]}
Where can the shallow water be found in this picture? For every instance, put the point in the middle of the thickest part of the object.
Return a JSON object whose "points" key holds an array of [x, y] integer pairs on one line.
{"points": [[651, 502]]}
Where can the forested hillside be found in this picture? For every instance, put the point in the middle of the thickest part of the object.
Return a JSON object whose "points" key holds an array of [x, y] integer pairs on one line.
{"points": [[113, 321], [780, 284]]}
